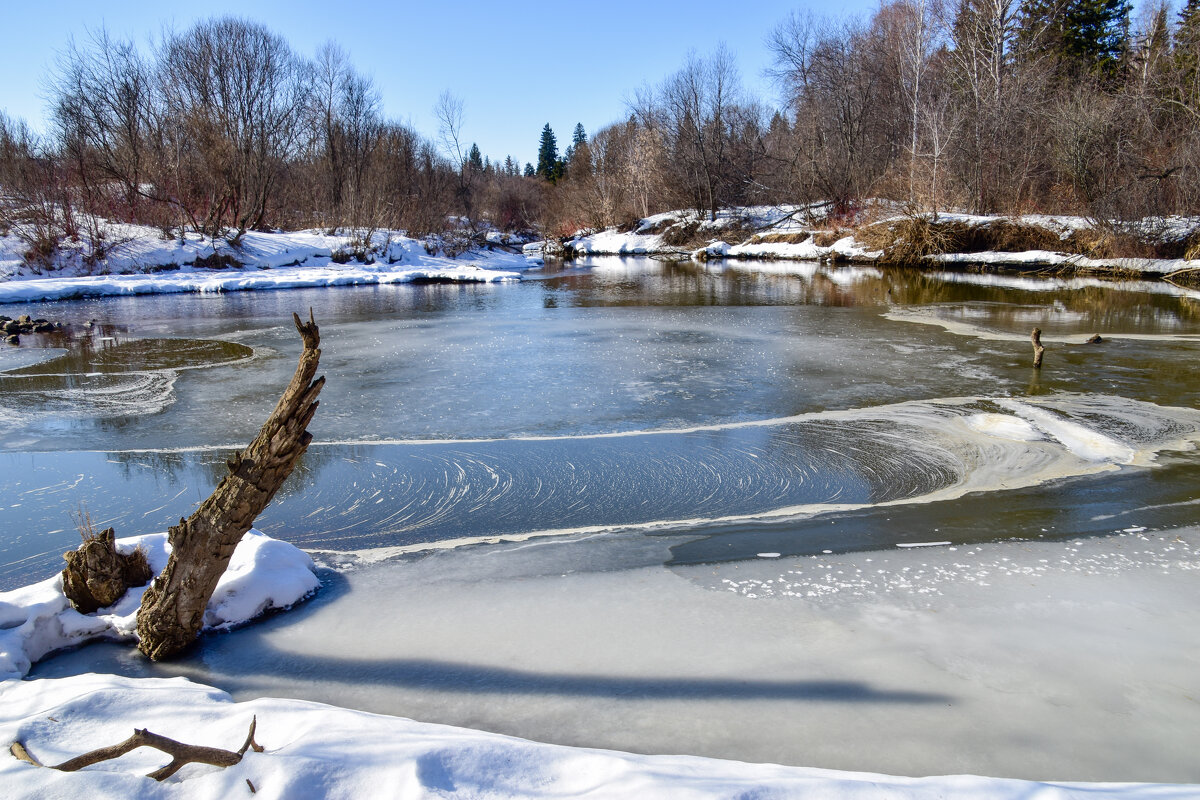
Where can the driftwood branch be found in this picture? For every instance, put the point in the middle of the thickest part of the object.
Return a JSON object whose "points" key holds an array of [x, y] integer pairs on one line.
{"points": [[172, 611], [1038, 350], [179, 752]]}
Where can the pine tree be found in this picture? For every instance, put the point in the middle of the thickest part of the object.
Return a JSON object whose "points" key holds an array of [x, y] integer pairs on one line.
{"points": [[1186, 55], [529, 170], [475, 158], [1083, 36], [1096, 34], [579, 136], [1187, 35], [548, 166]]}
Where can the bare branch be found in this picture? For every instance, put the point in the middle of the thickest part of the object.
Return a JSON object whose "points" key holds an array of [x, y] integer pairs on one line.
{"points": [[180, 752]]}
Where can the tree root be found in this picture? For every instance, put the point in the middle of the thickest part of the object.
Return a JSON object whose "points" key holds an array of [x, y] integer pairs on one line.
{"points": [[180, 753]]}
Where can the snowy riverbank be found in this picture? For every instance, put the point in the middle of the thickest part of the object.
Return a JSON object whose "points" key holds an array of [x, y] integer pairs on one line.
{"points": [[800, 233], [146, 264], [985, 659], [318, 751]]}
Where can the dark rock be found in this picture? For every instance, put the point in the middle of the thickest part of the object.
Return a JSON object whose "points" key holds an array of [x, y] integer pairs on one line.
{"points": [[12, 326], [43, 327], [13, 339], [1095, 339]]}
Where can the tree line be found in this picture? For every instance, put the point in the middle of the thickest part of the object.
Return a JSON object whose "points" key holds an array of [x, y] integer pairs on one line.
{"points": [[993, 106]]}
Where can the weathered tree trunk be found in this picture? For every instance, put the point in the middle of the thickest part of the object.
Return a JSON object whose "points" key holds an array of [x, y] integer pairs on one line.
{"points": [[172, 611]]}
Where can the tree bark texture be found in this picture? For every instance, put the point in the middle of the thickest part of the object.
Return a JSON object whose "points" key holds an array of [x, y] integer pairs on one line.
{"points": [[172, 611], [96, 575]]}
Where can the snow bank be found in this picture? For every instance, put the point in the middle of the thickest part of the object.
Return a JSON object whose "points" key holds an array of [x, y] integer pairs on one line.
{"points": [[37, 620], [785, 233], [144, 263], [319, 751], [239, 280]]}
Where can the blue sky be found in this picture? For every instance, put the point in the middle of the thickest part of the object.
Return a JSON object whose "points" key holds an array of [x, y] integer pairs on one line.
{"points": [[515, 65]]}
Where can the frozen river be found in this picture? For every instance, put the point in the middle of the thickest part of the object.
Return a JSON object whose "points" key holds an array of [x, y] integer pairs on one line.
{"points": [[824, 516]]}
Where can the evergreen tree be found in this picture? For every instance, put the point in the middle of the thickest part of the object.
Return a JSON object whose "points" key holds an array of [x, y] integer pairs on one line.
{"points": [[529, 171], [1083, 36], [1186, 55], [580, 136], [475, 158], [549, 166], [1187, 35], [1096, 34]]}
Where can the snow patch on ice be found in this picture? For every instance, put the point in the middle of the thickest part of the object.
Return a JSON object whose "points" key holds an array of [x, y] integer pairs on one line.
{"points": [[37, 620]]}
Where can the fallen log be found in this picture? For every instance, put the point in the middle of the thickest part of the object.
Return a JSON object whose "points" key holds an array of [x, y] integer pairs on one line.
{"points": [[172, 610], [180, 752]]}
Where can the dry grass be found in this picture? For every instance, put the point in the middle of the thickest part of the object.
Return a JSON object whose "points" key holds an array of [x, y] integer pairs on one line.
{"points": [[83, 523], [827, 238], [684, 234], [1191, 246], [1107, 243], [909, 240], [798, 237]]}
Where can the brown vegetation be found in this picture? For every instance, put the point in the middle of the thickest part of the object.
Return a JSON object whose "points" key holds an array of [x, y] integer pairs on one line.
{"points": [[976, 106]]}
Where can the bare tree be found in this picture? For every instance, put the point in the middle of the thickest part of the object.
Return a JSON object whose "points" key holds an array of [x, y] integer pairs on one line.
{"points": [[450, 116], [699, 111], [237, 93], [104, 110], [344, 114]]}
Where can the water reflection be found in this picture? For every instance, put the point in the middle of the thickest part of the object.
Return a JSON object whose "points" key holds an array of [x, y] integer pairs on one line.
{"points": [[606, 346]]}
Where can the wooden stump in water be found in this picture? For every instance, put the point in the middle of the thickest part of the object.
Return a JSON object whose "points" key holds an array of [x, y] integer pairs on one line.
{"points": [[1038, 350], [172, 611]]}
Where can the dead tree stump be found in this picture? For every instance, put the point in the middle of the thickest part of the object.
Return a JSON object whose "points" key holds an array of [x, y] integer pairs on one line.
{"points": [[96, 575], [1038, 350], [172, 611]]}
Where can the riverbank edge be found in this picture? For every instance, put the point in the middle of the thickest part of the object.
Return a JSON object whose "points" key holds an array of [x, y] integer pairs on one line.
{"points": [[907, 241]]}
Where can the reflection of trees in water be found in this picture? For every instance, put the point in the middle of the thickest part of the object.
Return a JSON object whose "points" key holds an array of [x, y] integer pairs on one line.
{"points": [[1103, 308], [208, 467], [204, 468], [736, 284]]}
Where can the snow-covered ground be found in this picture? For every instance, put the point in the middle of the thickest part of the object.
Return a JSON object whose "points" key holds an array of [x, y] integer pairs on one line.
{"points": [[318, 751], [748, 233], [985, 617], [146, 263], [37, 620]]}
